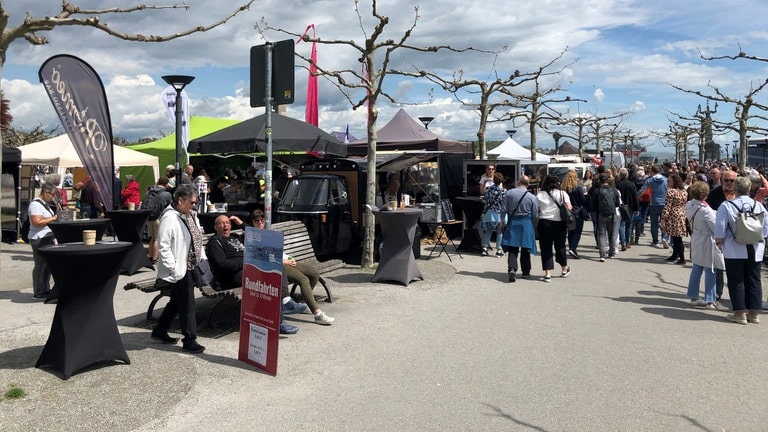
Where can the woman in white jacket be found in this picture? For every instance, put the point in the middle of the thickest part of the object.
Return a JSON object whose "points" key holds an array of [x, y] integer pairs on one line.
{"points": [[706, 257], [180, 249]]}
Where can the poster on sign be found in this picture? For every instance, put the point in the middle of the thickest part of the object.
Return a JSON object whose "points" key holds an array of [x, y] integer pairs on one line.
{"points": [[260, 308]]}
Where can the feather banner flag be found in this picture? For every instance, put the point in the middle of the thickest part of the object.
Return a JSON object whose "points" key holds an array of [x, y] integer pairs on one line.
{"points": [[78, 96], [169, 101], [311, 111]]}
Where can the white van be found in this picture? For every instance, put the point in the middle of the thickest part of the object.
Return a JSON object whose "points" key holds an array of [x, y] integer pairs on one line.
{"points": [[560, 169]]}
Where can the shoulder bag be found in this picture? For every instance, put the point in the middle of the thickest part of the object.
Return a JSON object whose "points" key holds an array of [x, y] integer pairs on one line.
{"points": [[566, 216]]}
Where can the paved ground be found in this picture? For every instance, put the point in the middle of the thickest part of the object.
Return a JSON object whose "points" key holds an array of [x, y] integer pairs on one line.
{"points": [[614, 347]]}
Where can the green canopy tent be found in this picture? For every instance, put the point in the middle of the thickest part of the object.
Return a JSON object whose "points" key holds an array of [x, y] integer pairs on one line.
{"points": [[165, 148]]}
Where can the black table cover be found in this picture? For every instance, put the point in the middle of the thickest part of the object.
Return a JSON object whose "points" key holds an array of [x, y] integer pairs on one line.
{"points": [[472, 207], [398, 229], [84, 330], [72, 231], [128, 227]]}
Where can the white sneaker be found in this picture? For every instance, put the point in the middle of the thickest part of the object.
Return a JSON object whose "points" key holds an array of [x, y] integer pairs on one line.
{"points": [[323, 319], [664, 244], [698, 303]]}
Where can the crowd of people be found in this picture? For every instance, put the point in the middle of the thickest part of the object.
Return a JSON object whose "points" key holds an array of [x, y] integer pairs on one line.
{"points": [[708, 204]]}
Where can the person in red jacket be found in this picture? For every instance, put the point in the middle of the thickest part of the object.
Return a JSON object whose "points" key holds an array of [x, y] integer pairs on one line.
{"points": [[131, 192]]}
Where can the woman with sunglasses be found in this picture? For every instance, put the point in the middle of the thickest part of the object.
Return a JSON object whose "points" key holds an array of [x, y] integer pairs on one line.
{"points": [[297, 272], [40, 214], [180, 249], [487, 178]]}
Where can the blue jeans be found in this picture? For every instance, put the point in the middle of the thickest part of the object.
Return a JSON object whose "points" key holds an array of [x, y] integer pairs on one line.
{"points": [[625, 232], [488, 229], [710, 282], [655, 212]]}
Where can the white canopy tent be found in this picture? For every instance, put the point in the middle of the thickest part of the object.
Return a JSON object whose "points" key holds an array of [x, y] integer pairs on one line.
{"points": [[60, 152], [510, 149]]}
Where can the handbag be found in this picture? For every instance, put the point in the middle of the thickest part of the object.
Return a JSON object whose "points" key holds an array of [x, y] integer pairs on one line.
{"points": [[202, 274], [749, 226], [625, 212], [566, 216]]}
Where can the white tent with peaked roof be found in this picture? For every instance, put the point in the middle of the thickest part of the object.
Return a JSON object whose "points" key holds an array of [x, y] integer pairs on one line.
{"points": [[510, 149]]}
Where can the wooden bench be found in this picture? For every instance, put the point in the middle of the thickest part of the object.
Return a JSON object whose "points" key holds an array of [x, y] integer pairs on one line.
{"points": [[297, 244]]}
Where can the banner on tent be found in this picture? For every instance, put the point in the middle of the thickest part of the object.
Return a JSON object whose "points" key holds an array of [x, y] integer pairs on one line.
{"points": [[78, 96]]}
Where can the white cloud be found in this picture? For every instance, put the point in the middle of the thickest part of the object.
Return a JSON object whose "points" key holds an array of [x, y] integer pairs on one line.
{"points": [[629, 49]]}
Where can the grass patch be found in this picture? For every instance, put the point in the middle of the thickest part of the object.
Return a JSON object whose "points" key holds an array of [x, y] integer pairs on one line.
{"points": [[14, 392]]}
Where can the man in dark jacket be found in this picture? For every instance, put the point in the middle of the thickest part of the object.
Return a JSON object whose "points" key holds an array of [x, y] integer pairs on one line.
{"points": [[628, 192], [225, 252]]}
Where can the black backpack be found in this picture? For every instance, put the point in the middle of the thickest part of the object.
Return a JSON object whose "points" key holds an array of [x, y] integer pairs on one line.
{"points": [[606, 201], [152, 203]]}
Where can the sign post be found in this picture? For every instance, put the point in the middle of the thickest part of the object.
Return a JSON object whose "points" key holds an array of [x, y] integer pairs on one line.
{"points": [[260, 307]]}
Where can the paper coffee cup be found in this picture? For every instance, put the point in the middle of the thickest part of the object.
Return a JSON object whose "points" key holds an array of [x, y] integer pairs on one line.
{"points": [[392, 205], [89, 237], [131, 206]]}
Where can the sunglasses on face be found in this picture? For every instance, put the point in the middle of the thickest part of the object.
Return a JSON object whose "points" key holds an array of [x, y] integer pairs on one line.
{"points": [[259, 220]]}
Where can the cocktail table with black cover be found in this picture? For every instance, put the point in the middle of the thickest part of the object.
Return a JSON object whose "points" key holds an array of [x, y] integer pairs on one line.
{"points": [[72, 231], [472, 208], [128, 226], [84, 330], [398, 229]]}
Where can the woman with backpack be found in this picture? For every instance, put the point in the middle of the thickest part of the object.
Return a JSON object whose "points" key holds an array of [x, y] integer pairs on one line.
{"points": [[742, 260], [492, 217]]}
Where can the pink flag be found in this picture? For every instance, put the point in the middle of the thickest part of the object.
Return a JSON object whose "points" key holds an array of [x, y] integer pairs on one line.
{"points": [[310, 114]]}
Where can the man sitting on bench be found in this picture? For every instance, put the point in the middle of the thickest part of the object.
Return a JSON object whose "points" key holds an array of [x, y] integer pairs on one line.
{"points": [[225, 252]]}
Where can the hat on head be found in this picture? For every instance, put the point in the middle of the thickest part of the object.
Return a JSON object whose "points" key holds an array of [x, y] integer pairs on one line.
{"points": [[603, 177], [170, 167]]}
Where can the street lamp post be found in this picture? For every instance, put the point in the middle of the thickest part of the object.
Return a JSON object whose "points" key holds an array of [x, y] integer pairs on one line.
{"points": [[178, 82], [426, 121]]}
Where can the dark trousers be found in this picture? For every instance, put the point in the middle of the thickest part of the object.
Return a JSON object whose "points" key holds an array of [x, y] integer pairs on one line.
{"points": [[525, 259], [552, 234], [182, 302], [678, 247], [574, 235], [41, 273], [744, 285]]}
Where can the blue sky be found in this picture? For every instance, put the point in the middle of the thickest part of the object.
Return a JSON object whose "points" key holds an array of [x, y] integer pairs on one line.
{"points": [[626, 52]]}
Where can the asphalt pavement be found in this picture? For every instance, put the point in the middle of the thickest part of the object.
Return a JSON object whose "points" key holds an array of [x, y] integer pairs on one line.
{"points": [[613, 347]]}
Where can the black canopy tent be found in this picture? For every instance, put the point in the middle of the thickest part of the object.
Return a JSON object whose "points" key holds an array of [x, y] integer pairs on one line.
{"points": [[288, 135]]}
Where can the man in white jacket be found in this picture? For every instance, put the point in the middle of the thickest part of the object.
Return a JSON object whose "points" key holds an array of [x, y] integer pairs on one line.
{"points": [[180, 249]]}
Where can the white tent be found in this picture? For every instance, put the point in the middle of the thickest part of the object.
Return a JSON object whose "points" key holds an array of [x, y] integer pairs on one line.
{"points": [[60, 152], [510, 149]]}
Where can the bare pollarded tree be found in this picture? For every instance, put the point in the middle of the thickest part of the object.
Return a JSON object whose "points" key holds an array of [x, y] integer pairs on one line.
{"points": [[375, 53], [742, 115], [32, 29], [488, 94]]}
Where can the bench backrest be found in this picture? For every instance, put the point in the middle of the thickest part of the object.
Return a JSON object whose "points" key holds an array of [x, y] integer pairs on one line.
{"points": [[297, 242]]}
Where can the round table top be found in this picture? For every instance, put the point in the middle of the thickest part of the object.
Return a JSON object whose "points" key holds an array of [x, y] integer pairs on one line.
{"points": [[92, 221], [78, 248], [122, 212]]}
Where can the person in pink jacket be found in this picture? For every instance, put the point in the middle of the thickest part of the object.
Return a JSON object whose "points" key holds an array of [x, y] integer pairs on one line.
{"points": [[131, 192]]}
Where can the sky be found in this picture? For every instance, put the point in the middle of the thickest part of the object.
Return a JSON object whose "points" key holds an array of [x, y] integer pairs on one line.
{"points": [[617, 56]]}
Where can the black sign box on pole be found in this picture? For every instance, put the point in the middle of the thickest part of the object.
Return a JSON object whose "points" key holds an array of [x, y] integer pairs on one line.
{"points": [[283, 64]]}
